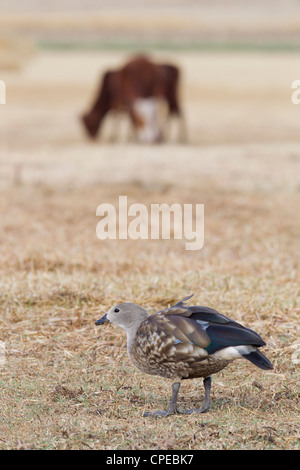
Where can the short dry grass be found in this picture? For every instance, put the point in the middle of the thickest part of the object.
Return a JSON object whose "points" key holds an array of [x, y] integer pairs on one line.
{"points": [[66, 384]]}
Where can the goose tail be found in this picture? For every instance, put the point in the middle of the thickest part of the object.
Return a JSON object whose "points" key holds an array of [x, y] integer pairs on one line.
{"points": [[258, 359]]}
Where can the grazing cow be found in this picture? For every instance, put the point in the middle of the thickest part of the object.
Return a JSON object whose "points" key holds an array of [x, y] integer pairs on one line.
{"points": [[136, 88]]}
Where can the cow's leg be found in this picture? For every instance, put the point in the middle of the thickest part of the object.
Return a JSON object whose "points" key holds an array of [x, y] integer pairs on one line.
{"points": [[182, 129]]}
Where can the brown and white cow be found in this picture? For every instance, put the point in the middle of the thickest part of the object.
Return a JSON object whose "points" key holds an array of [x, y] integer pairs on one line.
{"points": [[137, 89]]}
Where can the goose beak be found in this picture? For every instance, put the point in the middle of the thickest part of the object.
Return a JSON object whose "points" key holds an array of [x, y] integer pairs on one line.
{"points": [[102, 320]]}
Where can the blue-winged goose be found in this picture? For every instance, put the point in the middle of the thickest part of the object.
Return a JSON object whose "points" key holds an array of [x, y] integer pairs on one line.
{"points": [[184, 342]]}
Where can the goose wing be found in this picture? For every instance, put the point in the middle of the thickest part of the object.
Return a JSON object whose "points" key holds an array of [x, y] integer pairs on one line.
{"points": [[204, 327]]}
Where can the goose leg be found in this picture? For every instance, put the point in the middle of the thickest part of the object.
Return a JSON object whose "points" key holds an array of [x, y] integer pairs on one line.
{"points": [[207, 388], [172, 408], [206, 401]]}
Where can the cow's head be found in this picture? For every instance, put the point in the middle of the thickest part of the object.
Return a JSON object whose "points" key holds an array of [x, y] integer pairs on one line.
{"points": [[91, 123]]}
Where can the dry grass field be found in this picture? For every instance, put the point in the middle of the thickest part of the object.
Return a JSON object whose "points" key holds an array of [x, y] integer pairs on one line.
{"points": [[64, 384]]}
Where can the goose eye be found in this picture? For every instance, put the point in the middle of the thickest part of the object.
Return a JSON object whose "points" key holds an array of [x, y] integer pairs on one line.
{"points": [[117, 310]]}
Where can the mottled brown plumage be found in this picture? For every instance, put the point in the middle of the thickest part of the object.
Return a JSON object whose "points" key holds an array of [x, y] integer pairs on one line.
{"points": [[184, 342]]}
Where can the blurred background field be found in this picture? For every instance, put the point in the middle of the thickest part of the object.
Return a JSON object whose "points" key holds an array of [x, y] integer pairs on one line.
{"points": [[65, 384]]}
